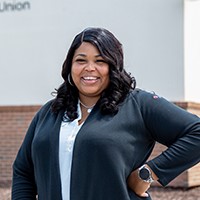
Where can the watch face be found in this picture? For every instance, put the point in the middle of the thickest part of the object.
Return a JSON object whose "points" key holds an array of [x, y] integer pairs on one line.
{"points": [[144, 174]]}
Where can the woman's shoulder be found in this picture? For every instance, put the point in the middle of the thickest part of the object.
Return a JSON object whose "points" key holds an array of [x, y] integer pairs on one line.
{"points": [[45, 108], [46, 105], [145, 98], [138, 93]]}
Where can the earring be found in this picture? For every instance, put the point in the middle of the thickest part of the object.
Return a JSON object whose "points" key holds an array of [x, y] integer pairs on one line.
{"points": [[68, 78]]}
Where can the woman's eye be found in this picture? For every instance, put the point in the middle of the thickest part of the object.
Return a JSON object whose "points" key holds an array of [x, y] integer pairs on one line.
{"points": [[100, 61], [80, 60]]}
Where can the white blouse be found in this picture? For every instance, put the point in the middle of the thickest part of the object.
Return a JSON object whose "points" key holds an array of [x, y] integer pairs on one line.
{"points": [[68, 133]]}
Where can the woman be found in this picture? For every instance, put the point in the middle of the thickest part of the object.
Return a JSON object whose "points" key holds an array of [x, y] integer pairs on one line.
{"points": [[93, 140]]}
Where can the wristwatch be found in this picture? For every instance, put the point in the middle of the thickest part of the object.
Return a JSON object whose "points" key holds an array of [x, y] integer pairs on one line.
{"points": [[144, 174]]}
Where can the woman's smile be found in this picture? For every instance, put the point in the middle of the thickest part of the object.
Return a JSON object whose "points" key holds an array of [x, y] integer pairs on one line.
{"points": [[90, 79]]}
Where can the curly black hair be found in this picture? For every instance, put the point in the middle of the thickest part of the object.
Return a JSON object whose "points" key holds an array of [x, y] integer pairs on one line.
{"points": [[120, 81]]}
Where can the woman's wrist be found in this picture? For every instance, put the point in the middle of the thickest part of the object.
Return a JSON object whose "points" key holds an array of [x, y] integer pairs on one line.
{"points": [[137, 184], [145, 174], [154, 176]]}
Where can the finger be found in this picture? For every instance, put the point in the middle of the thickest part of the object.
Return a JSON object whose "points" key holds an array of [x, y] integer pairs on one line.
{"points": [[144, 194]]}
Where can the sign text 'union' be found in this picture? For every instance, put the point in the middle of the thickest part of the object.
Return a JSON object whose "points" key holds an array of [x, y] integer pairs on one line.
{"points": [[11, 6]]}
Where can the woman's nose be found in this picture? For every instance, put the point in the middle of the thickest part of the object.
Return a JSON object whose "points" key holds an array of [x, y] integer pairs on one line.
{"points": [[90, 66]]}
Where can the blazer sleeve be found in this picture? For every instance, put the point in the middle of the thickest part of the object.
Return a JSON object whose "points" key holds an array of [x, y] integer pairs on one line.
{"points": [[23, 183], [175, 128]]}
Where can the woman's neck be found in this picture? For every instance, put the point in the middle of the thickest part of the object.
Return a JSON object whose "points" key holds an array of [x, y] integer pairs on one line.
{"points": [[88, 102]]}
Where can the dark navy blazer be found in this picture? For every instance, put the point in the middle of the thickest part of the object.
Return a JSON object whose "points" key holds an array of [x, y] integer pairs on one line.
{"points": [[106, 150]]}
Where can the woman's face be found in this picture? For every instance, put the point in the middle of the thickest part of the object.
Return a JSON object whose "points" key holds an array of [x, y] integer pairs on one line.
{"points": [[89, 72]]}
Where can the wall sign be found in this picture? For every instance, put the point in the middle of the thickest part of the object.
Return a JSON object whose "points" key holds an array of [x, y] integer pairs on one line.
{"points": [[14, 6]]}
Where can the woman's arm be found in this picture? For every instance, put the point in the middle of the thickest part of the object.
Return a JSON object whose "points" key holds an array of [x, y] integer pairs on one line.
{"points": [[23, 181], [173, 127]]}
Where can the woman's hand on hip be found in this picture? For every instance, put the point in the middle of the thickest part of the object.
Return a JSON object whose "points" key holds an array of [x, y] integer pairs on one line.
{"points": [[137, 185]]}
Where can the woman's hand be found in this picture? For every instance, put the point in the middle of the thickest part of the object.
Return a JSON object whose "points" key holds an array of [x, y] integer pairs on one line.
{"points": [[139, 186]]}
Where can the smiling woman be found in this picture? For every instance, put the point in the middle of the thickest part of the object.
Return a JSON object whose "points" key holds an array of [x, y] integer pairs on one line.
{"points": [[14, 6], [93, 140]]}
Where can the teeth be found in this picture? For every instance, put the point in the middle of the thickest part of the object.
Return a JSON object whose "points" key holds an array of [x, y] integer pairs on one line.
{"points": [[90, 78]]}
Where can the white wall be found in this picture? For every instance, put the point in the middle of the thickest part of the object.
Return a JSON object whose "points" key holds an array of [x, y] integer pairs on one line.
{"points": [[192, 50], [34, 42]]}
